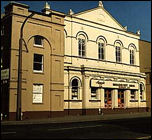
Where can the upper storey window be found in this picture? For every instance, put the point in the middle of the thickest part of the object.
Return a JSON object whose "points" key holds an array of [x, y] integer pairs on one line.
{"points": [[118, 52], [101, 49], [38, 41], [132, 50], [38, 63], [82, 46], [132, 61]]}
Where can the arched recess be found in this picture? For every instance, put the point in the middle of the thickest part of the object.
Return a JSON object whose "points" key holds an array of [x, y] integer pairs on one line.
{"points": [[43, 38], [83, 34], [131, 45], [79, 81], [65, 33], [119, 42], [101, 38]]}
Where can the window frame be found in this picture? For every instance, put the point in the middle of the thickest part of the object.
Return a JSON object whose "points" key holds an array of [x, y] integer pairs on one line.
{"points": [[42, 41], [101, 51], [94, 93], [41, 63], [118, 54], [75, 90], [132, 57], [141, 95], [133, 95], [38, 93], [81, 47]]}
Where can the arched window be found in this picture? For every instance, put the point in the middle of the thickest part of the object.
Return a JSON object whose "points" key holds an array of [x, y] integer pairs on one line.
{"points": [[132, 57], [82, 46], [132, 49], [75, 88], [101, 49], [118, 47]]}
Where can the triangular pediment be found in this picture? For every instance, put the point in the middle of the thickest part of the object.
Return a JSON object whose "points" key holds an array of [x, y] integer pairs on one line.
{"points": [[101, 16]]}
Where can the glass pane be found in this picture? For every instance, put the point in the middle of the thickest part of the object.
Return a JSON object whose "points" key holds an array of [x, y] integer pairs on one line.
{"points": [[38, 66], [38, 40], [83, 53], [37, 58]]}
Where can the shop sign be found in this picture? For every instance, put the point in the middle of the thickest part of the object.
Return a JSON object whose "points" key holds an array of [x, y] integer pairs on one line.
{"points": [[125, 86], [111, 84], [97, 83], [5, 74]]}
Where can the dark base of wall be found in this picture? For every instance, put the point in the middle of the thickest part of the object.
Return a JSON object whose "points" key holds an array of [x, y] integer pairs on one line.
{"points": [[37, 115], [105, 111], [123, 110], [74, 112]]}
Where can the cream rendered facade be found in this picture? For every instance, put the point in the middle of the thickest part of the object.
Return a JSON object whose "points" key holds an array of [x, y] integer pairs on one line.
{"points": [[91, 72]]}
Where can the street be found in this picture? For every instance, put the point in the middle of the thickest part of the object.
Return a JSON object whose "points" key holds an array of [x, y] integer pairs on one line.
{"points": [[135, 128]]}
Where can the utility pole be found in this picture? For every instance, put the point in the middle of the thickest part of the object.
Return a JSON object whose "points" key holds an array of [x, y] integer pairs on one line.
{"points": [[19, 82]]}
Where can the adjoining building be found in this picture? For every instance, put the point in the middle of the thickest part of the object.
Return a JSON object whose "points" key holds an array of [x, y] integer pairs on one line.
{"points": [[79, 64], [145, 66], [42, 93], [101, 65]]}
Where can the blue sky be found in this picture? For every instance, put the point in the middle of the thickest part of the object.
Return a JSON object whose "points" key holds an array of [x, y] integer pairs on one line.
{"points": [[133, 14]]}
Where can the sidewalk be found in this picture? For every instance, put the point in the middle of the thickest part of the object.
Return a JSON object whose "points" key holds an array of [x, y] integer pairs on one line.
{"points": [[68, 119]]}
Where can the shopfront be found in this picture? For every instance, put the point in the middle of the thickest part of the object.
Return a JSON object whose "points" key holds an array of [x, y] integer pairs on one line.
{"points": [[117, 94]]}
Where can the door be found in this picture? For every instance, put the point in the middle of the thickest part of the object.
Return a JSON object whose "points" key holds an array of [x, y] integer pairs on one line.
{"points": [[4, 100], [108, 98], [121, 98]]}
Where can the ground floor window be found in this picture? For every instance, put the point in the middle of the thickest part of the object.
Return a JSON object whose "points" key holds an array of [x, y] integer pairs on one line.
{"points": [[75, 89], [141, 92], [133, 94], [94, 92]]}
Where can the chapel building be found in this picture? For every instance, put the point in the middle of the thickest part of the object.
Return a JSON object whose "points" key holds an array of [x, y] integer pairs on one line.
{"points": [[101, 65]]}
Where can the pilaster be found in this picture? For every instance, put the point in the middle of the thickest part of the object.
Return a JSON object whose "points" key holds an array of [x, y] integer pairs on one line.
{"points": [[126, 98], [115, 98]]}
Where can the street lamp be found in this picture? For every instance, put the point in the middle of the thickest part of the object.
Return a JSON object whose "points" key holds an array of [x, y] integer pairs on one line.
{"points": [[19, 82]]}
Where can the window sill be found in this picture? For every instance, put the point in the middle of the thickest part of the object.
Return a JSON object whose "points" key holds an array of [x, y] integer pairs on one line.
{"points": [[143, 101], [132, 64], [133, 100], [38, 46], [104, 60], [37, 103], [38, 72], [74, 100], [94, 100], [120, 63]]}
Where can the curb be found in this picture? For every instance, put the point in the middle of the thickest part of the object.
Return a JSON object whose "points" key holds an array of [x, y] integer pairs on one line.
{"points": [[70, 119]]}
